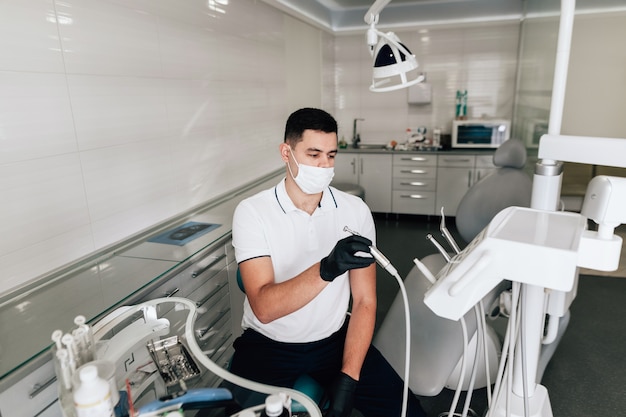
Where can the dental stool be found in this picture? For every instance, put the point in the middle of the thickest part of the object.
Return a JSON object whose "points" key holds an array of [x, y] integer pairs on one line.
{"points": [[437, 343], [354, 189]]}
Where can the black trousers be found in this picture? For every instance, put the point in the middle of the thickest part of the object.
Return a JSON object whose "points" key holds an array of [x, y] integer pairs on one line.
{"points": [[378, 393]]}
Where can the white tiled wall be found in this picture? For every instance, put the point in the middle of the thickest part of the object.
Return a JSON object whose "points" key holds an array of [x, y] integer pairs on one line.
{"points": [[479, 59], [117, 114]]}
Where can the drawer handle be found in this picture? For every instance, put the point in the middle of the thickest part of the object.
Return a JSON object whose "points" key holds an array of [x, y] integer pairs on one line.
{"points": [[413, 171], [456, 160], [201, 271], [171, 293], [415, 196], [202, 332], [211, 294], [46, 408], [416, 183], [415, 158], [38, 388]]}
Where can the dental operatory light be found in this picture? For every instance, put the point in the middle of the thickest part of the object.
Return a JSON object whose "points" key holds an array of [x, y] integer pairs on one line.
{"points": [[395, 67]]}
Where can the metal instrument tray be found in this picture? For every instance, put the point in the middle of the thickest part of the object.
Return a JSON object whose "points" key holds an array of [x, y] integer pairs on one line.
{"points": [[173, 360]]}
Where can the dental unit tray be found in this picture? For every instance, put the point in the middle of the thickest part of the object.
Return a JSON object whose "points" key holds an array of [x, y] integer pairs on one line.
{"points": [[524, 245], [173, 361]]}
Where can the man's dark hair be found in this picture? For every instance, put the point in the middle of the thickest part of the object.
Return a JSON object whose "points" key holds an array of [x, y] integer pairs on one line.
{"points": [[308, 118]]}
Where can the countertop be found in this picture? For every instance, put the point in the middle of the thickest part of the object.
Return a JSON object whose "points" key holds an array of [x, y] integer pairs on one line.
{"points": [[95, 286], [368, 149]]}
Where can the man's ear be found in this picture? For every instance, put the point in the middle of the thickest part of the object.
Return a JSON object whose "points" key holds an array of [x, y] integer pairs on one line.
{"points": [[284, 151]]}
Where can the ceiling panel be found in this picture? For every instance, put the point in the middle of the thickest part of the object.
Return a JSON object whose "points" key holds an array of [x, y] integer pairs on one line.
{"points": [[348, 15]]}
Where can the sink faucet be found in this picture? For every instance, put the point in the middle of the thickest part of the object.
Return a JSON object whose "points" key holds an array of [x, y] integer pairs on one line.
{"points": [[356, 138]]}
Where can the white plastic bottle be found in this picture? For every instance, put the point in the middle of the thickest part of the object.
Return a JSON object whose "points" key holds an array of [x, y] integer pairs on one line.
{"points": [[274, 407], [93, 396]]}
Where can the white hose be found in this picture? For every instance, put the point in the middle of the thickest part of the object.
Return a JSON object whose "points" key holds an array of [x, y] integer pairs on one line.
{"points": [[457, 393], [407, 358], [479, 337], [506, 360], [485, 343], [199, 356]]}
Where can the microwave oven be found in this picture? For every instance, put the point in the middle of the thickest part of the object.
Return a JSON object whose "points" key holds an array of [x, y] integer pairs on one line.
{"points": [[480, 133]]}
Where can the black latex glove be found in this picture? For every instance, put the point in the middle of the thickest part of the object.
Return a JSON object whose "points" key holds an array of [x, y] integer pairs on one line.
{"points": [[341, 396], [342, 258]]}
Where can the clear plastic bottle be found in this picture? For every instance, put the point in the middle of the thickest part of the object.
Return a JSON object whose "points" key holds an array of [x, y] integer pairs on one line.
{"points": [[93, 397], [275, 407]]}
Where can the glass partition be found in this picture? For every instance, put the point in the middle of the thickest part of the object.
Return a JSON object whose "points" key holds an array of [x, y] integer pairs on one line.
{"points": [[536, 60]]}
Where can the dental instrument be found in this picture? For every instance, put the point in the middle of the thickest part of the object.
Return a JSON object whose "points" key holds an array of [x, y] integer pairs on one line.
{"points": [[378, 255], [447, 235], [386, 264], [424, 270], [440, 248]]}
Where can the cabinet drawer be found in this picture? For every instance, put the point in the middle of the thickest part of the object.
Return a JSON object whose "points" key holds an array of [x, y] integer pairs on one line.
{"points": [[214, 338], [222, 359], [210, 318], [170, 288], [415, 160], [415, 184], [416, 202], [202, 295], [459, 161], [203, 270], [35, 393], [230, 252], [414, 172], [484, 161]]}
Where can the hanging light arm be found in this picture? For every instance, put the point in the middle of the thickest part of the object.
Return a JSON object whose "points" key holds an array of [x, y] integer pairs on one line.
{"points": [[371, 16]]}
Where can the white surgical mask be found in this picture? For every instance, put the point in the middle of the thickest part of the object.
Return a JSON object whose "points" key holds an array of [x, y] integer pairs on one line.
{"points": [[311, 180]]}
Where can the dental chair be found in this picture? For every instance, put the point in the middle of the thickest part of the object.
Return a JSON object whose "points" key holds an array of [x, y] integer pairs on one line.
{"points": [[437, 346]]}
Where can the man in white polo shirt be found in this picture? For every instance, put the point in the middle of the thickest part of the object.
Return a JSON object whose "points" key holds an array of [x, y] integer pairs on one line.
{"points": [[300, 269]]}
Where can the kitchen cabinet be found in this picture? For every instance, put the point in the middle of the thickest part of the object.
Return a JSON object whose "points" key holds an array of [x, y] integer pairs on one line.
{"points": [[484, 167], [414, 183], [455, 175], [372, 171]]}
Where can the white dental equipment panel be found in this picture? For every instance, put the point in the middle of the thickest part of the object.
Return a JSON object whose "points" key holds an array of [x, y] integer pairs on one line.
{"points": [[520, 244]]}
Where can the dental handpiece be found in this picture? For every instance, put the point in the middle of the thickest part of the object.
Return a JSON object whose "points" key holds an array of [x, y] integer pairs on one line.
{"points": [[446, 234], [439, 247], [377, 254]]}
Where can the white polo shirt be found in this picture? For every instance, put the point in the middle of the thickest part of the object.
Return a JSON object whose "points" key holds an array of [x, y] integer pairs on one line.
{"points": [[269, 224]]}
